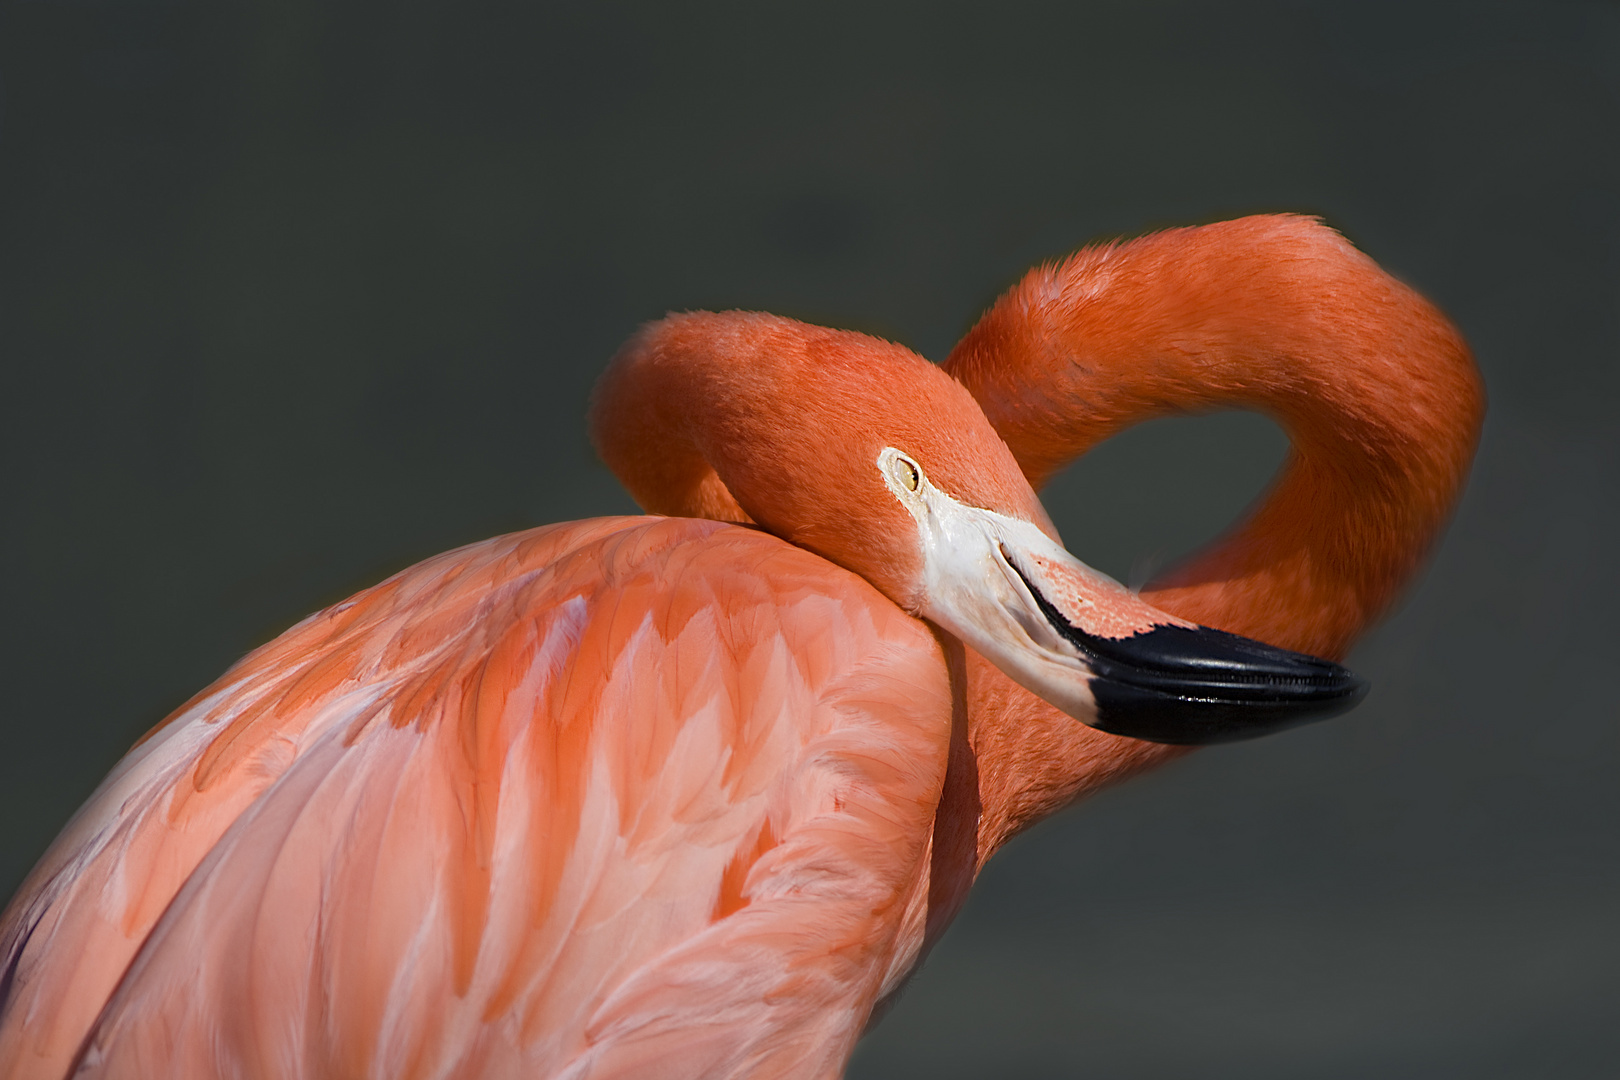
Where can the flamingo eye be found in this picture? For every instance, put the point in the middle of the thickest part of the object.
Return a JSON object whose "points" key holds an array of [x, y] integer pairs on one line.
{"points": [[903, 476]]}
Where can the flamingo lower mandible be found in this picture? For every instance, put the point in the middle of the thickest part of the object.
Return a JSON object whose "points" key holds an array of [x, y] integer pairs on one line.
{"points": [[689, 796]]}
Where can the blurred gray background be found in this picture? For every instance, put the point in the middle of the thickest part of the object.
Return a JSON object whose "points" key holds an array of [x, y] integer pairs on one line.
{"points": [[294, 294]]}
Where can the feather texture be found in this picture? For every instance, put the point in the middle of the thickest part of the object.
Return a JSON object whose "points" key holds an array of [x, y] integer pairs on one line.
{"points": [[570, 802]]}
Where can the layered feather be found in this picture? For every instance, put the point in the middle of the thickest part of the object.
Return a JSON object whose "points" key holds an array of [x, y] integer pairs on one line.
{"points": [[614, 797]]}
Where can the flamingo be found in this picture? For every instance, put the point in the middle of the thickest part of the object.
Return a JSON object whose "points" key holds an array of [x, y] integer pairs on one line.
{"points": [[689, 795]]}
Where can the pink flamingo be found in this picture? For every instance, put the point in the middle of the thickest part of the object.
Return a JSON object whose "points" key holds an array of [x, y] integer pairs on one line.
{"points": [[687, 798]]}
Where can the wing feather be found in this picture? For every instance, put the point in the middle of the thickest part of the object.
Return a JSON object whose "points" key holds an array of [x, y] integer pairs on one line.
{"points": [[587, 800]]}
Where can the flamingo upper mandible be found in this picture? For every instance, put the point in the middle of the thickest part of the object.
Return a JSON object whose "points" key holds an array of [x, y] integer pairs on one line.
{"points": [[675, 797]]}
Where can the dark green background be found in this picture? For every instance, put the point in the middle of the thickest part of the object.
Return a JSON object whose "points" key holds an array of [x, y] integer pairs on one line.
{"points": [[294, 294]]}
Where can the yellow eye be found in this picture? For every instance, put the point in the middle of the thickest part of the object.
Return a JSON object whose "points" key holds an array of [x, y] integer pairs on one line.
{"points": [[909, 475]]}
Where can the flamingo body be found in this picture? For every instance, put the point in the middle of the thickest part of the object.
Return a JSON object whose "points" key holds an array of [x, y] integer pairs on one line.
{"points": [[671, 797], [559, 803]]}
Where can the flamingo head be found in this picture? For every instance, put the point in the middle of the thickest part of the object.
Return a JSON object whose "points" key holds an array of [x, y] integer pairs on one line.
{"points": [[1088, 645]]}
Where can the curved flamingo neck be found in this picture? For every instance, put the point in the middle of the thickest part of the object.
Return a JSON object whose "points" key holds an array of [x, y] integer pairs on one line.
{"points": [[643, 426], [1277, 314]]}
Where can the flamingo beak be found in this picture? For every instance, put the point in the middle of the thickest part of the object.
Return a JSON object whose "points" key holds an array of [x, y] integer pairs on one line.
{"points": [[1096, 650], [1163, 679]]}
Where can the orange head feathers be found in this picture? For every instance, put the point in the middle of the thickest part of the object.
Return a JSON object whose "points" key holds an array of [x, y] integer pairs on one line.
{"points": [[752, 417]]}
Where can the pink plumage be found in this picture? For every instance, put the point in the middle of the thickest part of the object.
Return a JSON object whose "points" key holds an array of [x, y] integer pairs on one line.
{"points": [[671, 797], [552, 804]]}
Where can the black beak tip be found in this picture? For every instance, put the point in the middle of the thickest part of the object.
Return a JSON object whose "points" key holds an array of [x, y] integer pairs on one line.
{"points": [[1197, 686]]}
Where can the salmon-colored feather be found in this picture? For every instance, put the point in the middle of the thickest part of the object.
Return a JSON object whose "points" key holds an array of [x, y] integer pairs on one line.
{"points": [[466, 890]]}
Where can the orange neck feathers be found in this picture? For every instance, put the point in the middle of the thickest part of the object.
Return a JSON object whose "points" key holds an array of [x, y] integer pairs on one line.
{"points": [[1277, 314], [1280, 315]]}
